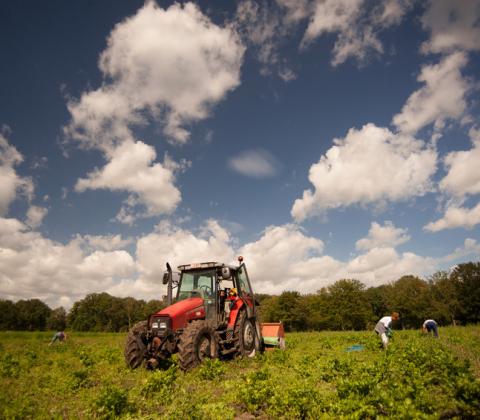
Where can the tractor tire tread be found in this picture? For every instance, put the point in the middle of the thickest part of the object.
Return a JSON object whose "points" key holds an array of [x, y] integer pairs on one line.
{"points": [[187, 353], [237, 332], [132, 352]]}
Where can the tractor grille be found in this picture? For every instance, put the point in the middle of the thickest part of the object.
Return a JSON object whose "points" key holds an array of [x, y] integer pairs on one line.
{"points": [[229, 335]]}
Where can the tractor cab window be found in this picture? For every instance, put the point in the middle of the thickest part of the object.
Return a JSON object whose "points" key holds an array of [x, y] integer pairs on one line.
{"points": [[243, 283], [197, 284]]}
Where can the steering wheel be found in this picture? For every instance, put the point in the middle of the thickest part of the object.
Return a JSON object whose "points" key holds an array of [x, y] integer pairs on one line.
{"points": [[207, 290]]}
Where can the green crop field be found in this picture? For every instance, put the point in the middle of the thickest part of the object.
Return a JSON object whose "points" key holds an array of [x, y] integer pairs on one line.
{"points": [[316, 377]]}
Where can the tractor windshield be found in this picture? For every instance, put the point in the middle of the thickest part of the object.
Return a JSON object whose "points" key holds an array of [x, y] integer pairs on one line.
{"points": [[197, 284]]}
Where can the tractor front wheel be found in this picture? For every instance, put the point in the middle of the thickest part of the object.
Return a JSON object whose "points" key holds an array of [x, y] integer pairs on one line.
{"points": [[134, 351], [197, 343], [246, 337]]}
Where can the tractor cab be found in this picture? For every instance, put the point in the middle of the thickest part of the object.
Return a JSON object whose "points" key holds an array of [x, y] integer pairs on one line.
{"points": [[218, 285]]}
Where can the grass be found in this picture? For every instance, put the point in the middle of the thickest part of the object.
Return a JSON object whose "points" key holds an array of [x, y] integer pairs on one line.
{"points": [[316, 377]]}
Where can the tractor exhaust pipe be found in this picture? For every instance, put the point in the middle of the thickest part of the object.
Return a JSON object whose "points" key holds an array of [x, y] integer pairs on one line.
{"points": [[168, 280]]}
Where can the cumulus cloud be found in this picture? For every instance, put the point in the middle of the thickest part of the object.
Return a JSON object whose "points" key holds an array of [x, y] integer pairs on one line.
{"points": [[383, 236], [462, 180], [34, 266], [167, 65], [356, 24], [463, 176], [177, 246], [441, 97], [35, 216], [286, 258], [282, 258], [255, 163], [453, 25], [456, 217], [105, 242], [170, 65], [131, 168], [262, 27], [370, 165], [11, 183]]}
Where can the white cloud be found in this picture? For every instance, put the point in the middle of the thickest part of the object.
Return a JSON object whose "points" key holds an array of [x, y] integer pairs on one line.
{"points": [[176, 246], [34, 266], [11, 183], [370, 165], [470, 248], [456, 217], [463, 175], [35, 216], [131, 168], [383, 236], [356, 24], [296, 10], [170, 65], [385, 264], [283, 258], [105, 242], [453, 24], [264, 27], [441, 97], [461, 180], [255, 163]]}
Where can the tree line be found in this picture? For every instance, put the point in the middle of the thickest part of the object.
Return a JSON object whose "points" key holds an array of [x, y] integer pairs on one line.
{"points": [[449, 298]]}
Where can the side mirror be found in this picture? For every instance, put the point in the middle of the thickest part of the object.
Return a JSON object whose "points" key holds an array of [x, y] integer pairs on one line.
{"points": [[166, 277], [226, 274]]}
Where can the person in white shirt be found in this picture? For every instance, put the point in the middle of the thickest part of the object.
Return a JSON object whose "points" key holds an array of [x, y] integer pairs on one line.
{"points": [[430, 326], [383, 327]]}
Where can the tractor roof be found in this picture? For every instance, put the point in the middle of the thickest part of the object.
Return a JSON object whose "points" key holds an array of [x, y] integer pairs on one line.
{"points": [[205, 265]]}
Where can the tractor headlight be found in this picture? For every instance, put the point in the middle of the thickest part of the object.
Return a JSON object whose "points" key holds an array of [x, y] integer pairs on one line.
{"points": [[160, 325]]}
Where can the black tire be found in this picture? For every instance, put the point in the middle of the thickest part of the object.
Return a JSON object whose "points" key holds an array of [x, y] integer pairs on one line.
{"points": [[197, 343], [246, 337], [134, 351]]}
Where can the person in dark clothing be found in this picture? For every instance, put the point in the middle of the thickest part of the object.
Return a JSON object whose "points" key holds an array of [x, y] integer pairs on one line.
{"points": [[60, 336], [430, 326]]}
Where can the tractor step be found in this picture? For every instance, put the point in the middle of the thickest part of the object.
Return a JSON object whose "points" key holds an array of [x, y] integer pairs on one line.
{"points": [[229, 351]]}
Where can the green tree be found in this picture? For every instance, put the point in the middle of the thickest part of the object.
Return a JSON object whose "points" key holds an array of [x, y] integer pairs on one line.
{"points": [[152, 306], [32, 314], [57, 320], [348, 306], [8, 315], [378, 298], [410, 296], [134, 310], [289, 309], [466, 278], [317, 308], [98, 312], [445, 300]]}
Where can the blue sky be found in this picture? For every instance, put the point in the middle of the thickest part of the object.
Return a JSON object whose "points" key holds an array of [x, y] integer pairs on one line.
{"points": [[321, 139]]}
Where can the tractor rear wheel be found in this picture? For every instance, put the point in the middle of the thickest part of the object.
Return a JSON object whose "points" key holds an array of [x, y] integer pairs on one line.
{"points": [[134, 351], [197, 343], [246, 337]]}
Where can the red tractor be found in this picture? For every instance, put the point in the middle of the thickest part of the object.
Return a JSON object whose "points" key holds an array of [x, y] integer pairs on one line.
{"points": [[214, 315]]}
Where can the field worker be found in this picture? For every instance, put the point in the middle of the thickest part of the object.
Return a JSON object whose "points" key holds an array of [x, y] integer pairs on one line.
{"points": [[60, 336], [383, 327], [430, 326]]}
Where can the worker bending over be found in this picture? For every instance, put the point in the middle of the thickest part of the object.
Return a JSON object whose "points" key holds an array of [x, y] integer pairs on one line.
{"points": [[383, 327]]}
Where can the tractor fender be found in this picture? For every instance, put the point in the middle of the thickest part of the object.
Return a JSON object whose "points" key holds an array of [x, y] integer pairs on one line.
{"points": [[238, 304], [250, 310]]}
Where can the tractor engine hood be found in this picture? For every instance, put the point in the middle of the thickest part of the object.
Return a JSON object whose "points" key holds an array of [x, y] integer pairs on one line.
{"points": [[184, 311]]}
